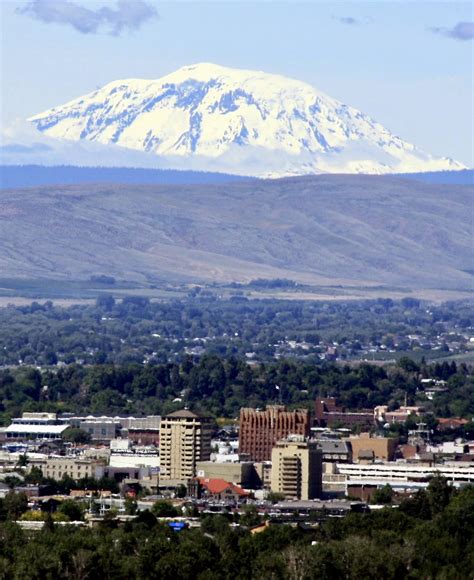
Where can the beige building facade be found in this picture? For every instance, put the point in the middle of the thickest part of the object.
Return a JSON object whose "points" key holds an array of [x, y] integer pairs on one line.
{"points": [[57, 467], [238, 473], [297, 468], [185, 439], [379, 447]]}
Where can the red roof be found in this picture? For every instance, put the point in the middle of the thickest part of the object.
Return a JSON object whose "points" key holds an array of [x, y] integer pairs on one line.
{"points": [[452, 422], [216, 486]]}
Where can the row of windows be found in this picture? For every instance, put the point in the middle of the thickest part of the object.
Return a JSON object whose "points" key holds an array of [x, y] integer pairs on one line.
{"points": [[70, 473]]}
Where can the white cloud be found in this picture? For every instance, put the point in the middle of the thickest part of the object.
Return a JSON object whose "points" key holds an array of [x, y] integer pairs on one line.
{"points": [[126, 15]]}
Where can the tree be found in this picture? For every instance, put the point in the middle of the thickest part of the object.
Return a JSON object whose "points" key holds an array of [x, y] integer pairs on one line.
{"points": [[250, 516], [105, 302], [408, 365], [33, 516], [131, 506], [76, 435], [164, 509], [417, 506], [50, 358], [275, 496], [12, 481], [215, 524], [22, 460], [72, 509], [15, 504], [66, 483], [439, 493], [146, 518], [35, 476], [181, 490], [382, 495]]}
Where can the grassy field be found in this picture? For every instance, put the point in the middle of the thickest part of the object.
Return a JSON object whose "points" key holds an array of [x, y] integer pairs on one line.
{"points": [[24, 291]]}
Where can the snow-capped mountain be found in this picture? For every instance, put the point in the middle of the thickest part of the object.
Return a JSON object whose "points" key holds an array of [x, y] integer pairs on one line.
{"points": [[209, 117]]}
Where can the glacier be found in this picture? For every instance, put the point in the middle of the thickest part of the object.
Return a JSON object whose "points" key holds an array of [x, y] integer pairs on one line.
{"points": [[212, 118]]}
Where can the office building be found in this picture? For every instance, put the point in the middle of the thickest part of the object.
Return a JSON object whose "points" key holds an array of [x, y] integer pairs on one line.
{"points": [[260, 430], [297, 468]]}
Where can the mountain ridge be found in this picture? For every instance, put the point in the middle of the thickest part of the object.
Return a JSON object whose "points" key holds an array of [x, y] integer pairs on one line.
{"points": [[331, 229]]}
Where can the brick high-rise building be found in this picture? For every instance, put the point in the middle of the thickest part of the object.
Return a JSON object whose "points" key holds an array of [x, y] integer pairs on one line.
{"points": [[260, 430], [185, 439]]}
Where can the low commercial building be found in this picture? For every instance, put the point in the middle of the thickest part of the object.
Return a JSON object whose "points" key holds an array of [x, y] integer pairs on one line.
{"points": [[101, 429], [57, 467], [237, 473], [366, 447], [333, 508], [225, 451], [328, 414], [124, 454], [37, 419], [33, 426], [335, 450], [297, 468], [383, 415], [124, 472], [333, 482], [143, 430], [216, 489], [32, 432]]}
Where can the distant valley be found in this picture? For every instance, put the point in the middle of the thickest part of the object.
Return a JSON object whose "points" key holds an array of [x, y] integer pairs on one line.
{"points": [[12, 176]]}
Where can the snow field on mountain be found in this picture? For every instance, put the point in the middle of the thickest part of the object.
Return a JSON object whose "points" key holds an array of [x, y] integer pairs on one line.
{"points": [[210, 117]]}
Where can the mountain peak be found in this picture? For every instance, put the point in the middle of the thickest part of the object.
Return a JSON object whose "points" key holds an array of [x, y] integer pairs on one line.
{"points": [[210, 117], [208, 69]]}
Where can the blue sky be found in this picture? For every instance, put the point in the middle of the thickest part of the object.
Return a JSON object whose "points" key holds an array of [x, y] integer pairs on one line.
{"points": [[407, 64]]}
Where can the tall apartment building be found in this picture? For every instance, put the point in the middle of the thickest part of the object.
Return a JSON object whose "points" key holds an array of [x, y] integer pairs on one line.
{"points": [[185, 439], [260, 430], [297, 468]]}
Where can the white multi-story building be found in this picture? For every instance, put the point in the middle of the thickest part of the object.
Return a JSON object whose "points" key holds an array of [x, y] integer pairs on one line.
{"points": [[402, 476], [35, 426]]}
